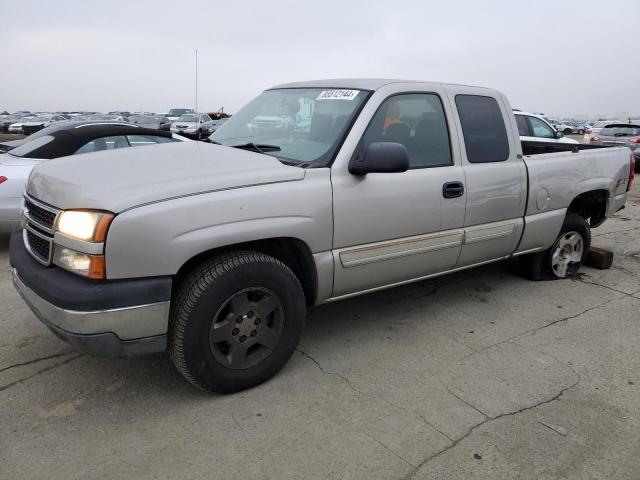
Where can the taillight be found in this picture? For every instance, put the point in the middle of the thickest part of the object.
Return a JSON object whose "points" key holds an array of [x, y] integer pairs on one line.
{"points": [[635, 140], [588, 132], [595, 138], [632, 172], [3, 179]]}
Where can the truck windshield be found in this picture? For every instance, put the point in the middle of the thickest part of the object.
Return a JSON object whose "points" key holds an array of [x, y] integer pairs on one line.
{"points": [[296, 125]]}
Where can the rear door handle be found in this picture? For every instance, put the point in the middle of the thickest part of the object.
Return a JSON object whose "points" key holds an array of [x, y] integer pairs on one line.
{"points": [[452, 189]]}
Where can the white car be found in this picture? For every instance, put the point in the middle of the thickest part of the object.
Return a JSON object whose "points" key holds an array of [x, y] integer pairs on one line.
{"points": [[596, 127], [41, 121], [535, 128], [17, 127], [194, 125]]}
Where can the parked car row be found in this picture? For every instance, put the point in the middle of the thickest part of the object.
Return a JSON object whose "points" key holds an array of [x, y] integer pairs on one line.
{"points": [[179, 120]]}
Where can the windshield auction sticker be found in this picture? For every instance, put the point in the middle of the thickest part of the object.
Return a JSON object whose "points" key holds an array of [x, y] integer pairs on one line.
{"points": [[337, 95]]}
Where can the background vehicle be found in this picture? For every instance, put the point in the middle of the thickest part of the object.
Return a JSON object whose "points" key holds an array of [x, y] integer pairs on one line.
{"points": [[597, 126], [8, 120], [17, 126], [75, 138], [534, 127], [565, 128], [219, 251], [175, 113], [196, 125], [620, 135], [151, 121], [41, 121]]}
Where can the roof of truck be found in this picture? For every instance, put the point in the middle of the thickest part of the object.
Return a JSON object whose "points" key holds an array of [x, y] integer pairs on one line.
{"points": [[352, 83]]}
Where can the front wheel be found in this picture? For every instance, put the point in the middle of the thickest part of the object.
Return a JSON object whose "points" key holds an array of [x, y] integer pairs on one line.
{"points": [[199, 135], [565, 256], [568, 131], [235, 321]]}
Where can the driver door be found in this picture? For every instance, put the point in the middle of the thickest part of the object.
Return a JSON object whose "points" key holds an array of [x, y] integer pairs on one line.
{"points": [[391, 228]]}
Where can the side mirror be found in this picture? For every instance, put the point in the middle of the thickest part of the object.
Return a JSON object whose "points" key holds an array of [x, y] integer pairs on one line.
{"points": [[381, 157], [559, 134]]}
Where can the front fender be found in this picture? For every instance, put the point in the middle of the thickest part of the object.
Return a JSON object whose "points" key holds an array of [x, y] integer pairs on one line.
{"points": [[157, 239]]}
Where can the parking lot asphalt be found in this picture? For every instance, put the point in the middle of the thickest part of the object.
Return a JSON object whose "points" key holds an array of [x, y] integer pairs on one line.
{"points": [[481, 374]]}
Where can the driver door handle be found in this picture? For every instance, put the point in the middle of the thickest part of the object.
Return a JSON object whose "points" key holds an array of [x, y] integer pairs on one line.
{"points": [[452, 189]]}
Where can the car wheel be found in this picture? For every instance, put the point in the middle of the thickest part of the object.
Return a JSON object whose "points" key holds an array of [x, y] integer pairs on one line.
{"points": [[199, 135], [235, 321], [580, 132], [567, 131], [565, 256]]}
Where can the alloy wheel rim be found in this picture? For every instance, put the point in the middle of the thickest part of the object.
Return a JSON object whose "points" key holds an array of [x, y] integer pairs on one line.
{"points": [[566, 251], [246, 328]]}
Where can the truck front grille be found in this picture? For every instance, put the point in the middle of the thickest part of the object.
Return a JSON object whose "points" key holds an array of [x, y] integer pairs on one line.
{"points": [[38, 247], [43, 217], [38, 231]]}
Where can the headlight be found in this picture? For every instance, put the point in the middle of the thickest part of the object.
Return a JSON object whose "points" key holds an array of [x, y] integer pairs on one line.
{"points": [[84, 225], [92, 266]]}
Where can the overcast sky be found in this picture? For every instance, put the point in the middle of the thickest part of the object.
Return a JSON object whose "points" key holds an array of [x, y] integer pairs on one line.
{"points": [[549, 56]]}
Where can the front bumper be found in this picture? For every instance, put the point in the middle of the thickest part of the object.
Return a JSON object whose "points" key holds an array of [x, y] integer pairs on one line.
{"points": [[112, 318]]}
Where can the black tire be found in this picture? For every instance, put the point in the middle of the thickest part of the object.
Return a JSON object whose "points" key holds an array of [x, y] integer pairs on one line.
{"points": [[567, 131], [580, 132], [199, 135], [538, 266], [196, 306]]}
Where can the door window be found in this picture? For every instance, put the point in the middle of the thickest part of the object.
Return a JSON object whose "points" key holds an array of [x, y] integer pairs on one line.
{"points": [[540, 128], [485, 135], [417, 121]]}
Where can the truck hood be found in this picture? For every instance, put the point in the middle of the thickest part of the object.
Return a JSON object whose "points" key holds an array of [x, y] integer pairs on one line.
{"points": [[116, 180]]}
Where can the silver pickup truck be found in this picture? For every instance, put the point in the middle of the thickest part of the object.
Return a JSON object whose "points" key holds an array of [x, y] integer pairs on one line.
{"points": [[214, 252]]}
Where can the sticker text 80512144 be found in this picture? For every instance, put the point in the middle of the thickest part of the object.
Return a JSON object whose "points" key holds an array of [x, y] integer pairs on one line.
{"points": [[337, 95]]}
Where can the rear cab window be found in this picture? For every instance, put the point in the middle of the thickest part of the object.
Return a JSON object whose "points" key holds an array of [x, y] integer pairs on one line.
{"points": [[483, 128]]}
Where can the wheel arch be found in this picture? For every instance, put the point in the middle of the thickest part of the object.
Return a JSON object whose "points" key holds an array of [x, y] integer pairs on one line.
{"points": [[591, 205], [293, 252]]}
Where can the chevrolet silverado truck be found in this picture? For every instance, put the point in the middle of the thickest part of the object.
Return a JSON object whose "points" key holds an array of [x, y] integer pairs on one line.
{"points": [[215, 251]]}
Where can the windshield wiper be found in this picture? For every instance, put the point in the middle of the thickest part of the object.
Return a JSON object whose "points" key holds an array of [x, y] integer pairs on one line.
{"points": [[260, 147]]}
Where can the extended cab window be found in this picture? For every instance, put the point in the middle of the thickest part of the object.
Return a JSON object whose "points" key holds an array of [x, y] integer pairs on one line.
{"points": [[485, 135], [417, 121]]}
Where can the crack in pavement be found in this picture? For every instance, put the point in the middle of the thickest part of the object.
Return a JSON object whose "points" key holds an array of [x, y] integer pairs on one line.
{"points": [[473, 428], [35, 360], [389, 402], [616, 231], [582, 280], [51, 367], [560, 320], [470, 405]]}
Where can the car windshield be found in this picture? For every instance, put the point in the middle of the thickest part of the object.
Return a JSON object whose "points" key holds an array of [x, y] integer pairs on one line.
{"points": [[27, 148], [297, 125], [620, 130], [188, 118], [176, 112]]}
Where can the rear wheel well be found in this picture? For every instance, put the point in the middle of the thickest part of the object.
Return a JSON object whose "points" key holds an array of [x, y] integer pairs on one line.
{"points": [[292, 252], [591, 206]]}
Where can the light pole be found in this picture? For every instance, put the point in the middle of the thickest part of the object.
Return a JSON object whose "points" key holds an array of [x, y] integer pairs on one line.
{"points": [[196, 81]]}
